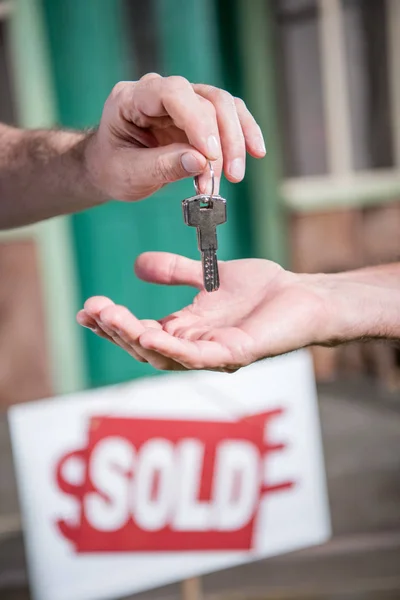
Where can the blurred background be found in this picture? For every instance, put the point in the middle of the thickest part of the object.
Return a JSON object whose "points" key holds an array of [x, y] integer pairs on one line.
{"points": [[322, 78]]}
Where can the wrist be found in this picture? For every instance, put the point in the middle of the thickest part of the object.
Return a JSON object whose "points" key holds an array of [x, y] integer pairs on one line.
{"points": [[90, 172], [354, 309]]}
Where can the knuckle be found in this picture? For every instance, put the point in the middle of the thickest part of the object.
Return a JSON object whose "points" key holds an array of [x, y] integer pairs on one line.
{"points": [[150, 76], [106, 314], [225, 99], [117, 316], [219, 96], [176, 82], [121, 95], [117, 88], [164, 170], [210, 109], [173, 267], [240, 103], [210, 90]]}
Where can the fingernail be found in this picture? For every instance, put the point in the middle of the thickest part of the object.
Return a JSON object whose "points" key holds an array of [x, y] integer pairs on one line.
{"points": [[236, 168], [261, 146], [190, 163], [213, 147]]}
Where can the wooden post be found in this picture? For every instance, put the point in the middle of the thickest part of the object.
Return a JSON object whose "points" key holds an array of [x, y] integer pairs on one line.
{"points": [[191, 589]]}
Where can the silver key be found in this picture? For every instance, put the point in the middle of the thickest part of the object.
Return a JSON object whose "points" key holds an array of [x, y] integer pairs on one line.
{"points": [[206, 212]]}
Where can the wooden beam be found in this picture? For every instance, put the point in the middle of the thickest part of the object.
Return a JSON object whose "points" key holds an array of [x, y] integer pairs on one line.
{"points": [[192, 589], [393, 28], [335, 86]]}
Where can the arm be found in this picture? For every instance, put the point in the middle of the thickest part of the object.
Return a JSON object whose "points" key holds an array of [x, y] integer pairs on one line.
{"points": [[383, 275], [260, 310], [152, 132], [361, 304], [43, 174], [366, 304]]}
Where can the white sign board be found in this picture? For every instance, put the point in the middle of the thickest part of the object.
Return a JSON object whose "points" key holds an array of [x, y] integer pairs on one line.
{"points": [[130, 487]]}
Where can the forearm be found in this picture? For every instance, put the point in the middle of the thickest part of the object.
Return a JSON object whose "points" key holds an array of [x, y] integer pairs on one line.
{"points": [[382, 275], [43, 174], [362, 304]]}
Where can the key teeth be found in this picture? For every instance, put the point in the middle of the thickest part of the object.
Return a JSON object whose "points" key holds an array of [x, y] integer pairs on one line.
{"points": [[210, 271], [211, 287]]}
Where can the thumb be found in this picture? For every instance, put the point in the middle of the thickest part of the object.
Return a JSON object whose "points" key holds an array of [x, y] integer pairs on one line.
{"points": [[168, 269], [167, 164]]}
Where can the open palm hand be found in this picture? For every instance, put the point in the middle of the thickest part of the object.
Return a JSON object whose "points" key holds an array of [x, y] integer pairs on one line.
{"points": [[260, 310]]}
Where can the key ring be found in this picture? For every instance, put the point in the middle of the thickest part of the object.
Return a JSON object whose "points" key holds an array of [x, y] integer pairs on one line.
{"points": [[196, 182]]}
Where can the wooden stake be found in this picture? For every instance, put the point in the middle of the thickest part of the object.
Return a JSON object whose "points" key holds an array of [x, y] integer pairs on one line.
{"points": [[191, 589]]}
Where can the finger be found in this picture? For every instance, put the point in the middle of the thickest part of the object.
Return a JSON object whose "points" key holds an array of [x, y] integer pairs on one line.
{"points": [[166, 164], [169, 269], [150, 324], [119, 321], [86, 321], [192, 355], [252, 133], [174, 97], [93, 308], [95, 304], [95, 315], [103, 322], [162, 363], [230, 130], [102, 334], [131, 330], [176, 322], [149, 76], [153, 358], [90, 314], [206, 177], [121, 324], [253, 136], [102, 331], [128, 328], [190, 332]]}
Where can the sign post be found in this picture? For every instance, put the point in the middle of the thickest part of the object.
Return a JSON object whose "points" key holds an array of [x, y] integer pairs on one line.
{"points": [[191, 589]]}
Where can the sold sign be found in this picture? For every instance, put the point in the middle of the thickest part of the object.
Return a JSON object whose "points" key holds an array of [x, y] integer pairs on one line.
{"points": [[170, 485]]}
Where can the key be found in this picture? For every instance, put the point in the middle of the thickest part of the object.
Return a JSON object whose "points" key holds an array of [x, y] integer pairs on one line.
{"points": [[206, 212]]}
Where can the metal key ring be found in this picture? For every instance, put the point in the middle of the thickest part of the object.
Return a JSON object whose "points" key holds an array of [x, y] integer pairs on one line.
{"points": [[196, 182]]}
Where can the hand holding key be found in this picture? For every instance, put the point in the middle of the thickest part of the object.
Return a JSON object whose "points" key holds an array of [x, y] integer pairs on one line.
{"points": [[161, 129], [206, 213]]}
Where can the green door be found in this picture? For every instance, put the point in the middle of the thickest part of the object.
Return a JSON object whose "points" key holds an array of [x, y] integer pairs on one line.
{"points": [[249, 57], [94, 44]]}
